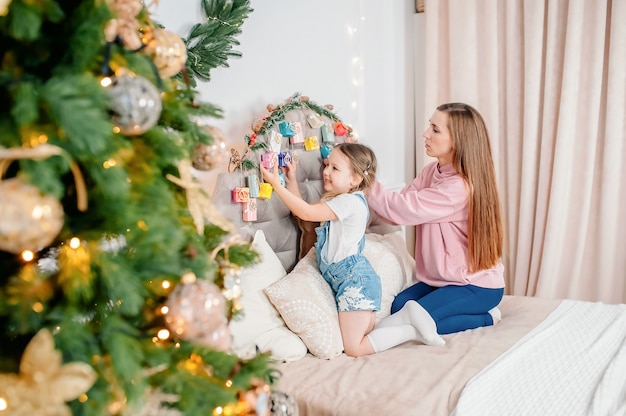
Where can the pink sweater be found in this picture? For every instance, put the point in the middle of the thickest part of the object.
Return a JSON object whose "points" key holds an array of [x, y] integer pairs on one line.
{"points": [[436, 203]]}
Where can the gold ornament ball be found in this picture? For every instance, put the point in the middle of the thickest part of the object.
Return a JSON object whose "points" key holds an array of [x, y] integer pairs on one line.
{"points": [[197, 313], [208, 156], [28, 219], [169, 52]]}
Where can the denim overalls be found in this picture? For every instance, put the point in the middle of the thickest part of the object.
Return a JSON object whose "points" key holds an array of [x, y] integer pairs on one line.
{"points": [[354, 281]]}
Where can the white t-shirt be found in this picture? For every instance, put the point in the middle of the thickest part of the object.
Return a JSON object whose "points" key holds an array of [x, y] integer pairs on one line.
{"points": [[346, 231]]}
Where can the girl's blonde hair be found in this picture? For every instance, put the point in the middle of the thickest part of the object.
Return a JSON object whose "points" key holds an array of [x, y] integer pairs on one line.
{"points": [[474, 162], [362, 162]]}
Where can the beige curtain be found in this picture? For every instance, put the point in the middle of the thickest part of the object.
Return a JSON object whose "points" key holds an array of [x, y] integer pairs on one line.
{"points": [[549, 76]]}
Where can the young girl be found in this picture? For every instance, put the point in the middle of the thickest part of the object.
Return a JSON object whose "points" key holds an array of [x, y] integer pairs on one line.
{"points": [[350, 169], [454, 205]]}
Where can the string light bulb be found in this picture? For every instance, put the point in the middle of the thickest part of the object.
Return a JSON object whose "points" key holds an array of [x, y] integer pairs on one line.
{"points": [[27, 255]]}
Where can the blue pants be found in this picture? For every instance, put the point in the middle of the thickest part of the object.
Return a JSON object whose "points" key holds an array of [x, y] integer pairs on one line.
{"points": [[454, 308]]}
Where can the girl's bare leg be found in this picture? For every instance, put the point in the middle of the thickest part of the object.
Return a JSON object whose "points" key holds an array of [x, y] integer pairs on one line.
{"points": [[355, 325]]}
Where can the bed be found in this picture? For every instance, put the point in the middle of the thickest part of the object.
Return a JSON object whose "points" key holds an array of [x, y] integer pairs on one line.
{"points": [[545, 357]]}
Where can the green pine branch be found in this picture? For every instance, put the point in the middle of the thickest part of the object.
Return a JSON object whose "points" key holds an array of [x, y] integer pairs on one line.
{"points": [[210, 44]]}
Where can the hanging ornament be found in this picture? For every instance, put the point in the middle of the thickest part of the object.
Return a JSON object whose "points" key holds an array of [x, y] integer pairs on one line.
{"points": [[44, 383], [28, 219], [168, 51], [197, 313], [206, 157], [283, 404], [340, 129], [200, 206], [4, 7], [125, 26], [257, 124], [136, 104], [254, 402], [315, 120]]}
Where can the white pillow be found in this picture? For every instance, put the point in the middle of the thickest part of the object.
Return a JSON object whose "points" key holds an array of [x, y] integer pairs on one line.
{"points": [[306, 302], [259, 324]]}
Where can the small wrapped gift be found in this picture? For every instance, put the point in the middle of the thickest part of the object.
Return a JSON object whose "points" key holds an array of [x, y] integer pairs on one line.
{"points": [[241, 194], [315, 120], [253, 184], [287, 128], [249, 210], [284, 158], [269, 160], [275, 140], [328, 135], [283, 181], [340, 129], [265, 191], [299, 136], [325, 150], [311, 143]]}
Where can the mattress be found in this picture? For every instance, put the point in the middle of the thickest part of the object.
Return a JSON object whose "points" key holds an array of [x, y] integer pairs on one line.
{"points": [[412, 379]]}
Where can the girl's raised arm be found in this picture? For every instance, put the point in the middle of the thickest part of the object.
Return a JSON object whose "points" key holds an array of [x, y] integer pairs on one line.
{"points": [[318, 211]]}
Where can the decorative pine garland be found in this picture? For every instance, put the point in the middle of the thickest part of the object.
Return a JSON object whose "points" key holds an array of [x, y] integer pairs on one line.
{"points": [[277, 114]]}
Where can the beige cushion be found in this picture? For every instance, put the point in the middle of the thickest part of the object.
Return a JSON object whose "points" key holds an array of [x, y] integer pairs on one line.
{"points": [[306, 302], [259, 324]]}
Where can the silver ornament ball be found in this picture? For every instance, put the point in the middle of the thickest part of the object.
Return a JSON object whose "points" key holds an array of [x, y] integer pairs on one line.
{"points": [[135, 104]]}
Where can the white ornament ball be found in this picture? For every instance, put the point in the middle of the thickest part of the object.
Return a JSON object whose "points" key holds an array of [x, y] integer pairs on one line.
{"points": [[169, 52], [197, 313], [28, 219], [136, 104]]}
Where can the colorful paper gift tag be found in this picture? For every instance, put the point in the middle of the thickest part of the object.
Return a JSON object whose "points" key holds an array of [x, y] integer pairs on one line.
{"points": [[287, 128], [265, 191], [315, 120], [328, 135], [241, 194], [249, 210], [311, 143], [299, 136], [275, 141]]}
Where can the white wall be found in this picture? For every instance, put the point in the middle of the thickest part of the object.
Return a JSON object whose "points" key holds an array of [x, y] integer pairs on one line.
{"points": [[357, 55]]}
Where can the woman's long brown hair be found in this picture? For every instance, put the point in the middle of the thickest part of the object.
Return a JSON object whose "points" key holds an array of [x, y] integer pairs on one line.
{"points": [[474, 162]]}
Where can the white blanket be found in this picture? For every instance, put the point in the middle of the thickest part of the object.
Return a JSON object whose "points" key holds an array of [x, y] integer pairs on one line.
{"points": [[573, 363]]}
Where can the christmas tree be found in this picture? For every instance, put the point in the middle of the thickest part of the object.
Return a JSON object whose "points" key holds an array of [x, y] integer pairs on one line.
{"points": [[117, 277]]}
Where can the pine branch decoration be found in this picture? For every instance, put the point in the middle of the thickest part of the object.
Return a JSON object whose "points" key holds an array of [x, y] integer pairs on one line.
{"points": [[210, 44], [277, 113], [295, 102]]}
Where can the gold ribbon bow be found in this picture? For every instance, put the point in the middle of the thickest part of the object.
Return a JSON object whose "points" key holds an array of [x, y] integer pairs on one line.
{"points": [[198, 202], [42, 151]]}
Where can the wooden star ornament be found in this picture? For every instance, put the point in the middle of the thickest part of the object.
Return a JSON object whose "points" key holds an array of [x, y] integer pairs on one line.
{"points": [[44, 383]]}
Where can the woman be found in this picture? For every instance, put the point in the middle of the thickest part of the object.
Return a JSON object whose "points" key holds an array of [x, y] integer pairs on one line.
{"points": [[454, 205]]}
